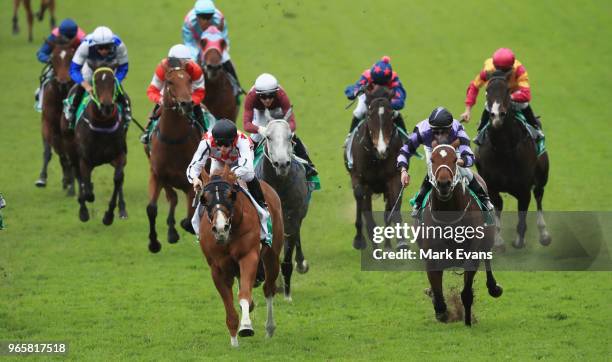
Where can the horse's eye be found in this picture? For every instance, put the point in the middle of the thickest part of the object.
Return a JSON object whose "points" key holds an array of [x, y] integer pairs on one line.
{"points": [[170, 82]]}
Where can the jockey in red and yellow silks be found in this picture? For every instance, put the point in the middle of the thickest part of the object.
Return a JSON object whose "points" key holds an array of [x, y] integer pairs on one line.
{"points": [[502, 59]]}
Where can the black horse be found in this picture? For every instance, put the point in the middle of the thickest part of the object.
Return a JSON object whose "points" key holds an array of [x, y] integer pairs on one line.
{"points": [[508, 160], [374, 149]]}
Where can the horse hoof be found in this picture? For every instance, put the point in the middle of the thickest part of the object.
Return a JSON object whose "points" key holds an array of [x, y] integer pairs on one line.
{"points": [[123, 214], [40, 182], [359, 243], [108, 218], [246, 331], [302, 267], [288, 298], [518, 244], [496, 291], [83, 214], [442, 317], [173, 236], [155, 247], [186, 225], [402, 245], [499, 248], [546, 239]]}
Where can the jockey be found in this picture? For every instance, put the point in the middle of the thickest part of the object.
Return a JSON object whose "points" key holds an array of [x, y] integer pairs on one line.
{"points": [[68, 31], [225, 145], [178, 55], [441, 127], [197, 20], [268, 94], [503, 59], [381, 73], [99, 49]]}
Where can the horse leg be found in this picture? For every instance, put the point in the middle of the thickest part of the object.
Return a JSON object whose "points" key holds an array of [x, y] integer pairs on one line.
{"points": [[541, 177], [287, 266], [42, 178], [495, 290], [301, 264], [523, 205], [30, 17], [223, 282], [270, 259], [186, 222], [358, 193], [154, 189], [248, 270], [85, 190], [435, 282], [393, 195], [172, 198], [109, 215], [68, 176], [498, 202], [467, 295], [369, 218]]}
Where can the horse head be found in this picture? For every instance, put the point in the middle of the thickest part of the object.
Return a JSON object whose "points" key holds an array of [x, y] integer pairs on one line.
{"points": [[379, 121], [443, 171], [498, 97], [177, 88], [61, 57], [212, 46], [104, 90], [218, 197], [279, 147]]}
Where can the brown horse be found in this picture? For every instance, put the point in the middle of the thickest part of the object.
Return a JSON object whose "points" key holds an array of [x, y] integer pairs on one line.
{"points": [[508, 162], [219, 99], [229, 238], [375, 148], [450, 205], [173, 143], [27, 5], [53, 93], [99, 138]]}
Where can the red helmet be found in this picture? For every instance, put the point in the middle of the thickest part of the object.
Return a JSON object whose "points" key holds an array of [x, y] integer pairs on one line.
{"points": [[503, 59]]}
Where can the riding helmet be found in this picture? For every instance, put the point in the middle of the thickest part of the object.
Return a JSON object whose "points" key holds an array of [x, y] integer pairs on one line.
{"points": [[102, 35], [440, 118], [381, 72], [503, 59], [224, 132], [204, 7], [266, 83], [68, 28]]}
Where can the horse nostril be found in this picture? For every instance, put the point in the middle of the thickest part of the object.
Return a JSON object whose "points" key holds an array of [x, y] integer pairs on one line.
{"points": [[226, 227], [214, 229], [287, 163], [445, 183], [275, 163]]}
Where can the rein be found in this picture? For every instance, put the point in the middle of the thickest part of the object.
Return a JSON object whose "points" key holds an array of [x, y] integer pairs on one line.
{"points": [[218, 203], [94, 94], [433, 174]]}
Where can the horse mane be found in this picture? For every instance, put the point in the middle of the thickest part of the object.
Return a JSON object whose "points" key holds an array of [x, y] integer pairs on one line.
{"points": [[226, 174], [380, 92], [499, 74]]}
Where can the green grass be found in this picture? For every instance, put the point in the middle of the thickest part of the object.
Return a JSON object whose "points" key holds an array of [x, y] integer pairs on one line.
{"points": [[99, 288]]}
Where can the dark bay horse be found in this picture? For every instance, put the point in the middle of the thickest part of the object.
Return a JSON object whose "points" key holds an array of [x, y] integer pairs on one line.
{"points": [[229, 239], [99, 138], [508, 162], [450, 205], [53, 93], [219, 99], [173, 143], [375, 148], [288, 178]]}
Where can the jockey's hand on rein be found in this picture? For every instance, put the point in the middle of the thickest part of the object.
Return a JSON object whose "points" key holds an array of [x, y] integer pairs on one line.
{"points": [[197, 184], [460, 162], [405, 177]]}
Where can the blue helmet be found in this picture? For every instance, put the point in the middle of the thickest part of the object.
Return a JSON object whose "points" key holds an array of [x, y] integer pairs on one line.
{"points": [[381, 72], [204, 7], [68, 28]]}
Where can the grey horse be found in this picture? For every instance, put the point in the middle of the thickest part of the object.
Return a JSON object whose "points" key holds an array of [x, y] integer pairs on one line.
{"points": [[286, 175]]}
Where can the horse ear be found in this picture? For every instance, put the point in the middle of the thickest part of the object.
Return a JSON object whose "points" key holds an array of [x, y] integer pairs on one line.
{"points": [[434, 144], [267, 115], [203, 43], [455, 143], [288, 114]]}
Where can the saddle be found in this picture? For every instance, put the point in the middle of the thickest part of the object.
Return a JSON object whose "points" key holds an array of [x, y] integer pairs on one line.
{"points": [[536, 135]]}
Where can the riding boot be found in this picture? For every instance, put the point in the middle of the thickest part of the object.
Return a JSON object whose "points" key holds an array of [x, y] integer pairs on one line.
{"points": [[255, 190], [78, 92], [124, 100], [229, 67], [418, 200], [300, 151], [482, 195], [354, 124], [531, 118], [199, 117]]}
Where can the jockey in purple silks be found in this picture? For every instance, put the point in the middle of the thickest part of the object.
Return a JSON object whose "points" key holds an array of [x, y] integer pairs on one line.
{"points": [[441, 127]]}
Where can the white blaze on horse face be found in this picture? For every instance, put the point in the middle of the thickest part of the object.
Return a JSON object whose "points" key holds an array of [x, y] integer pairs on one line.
{"points": [[62, 54], [495, 114], [443, 153], [381, 146], [103, 76], [220, 223]]}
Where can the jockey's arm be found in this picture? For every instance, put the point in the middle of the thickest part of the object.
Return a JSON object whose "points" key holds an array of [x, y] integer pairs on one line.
{"points": [[244, 168], [79, 58], [188, 38], [122, 60], [523, 93], [248, 114], [44, 52], [351, 91], [464, 150], [198, 161], [399, 96], [157, 83], [409, 148], [198, 92], [471, 94], [285, 104]]}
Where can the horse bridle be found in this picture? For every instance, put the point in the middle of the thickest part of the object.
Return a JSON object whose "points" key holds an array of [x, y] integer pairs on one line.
{"points": [[454, 173], [369, 132], [266, 151], [219, 203], [94, 92], [175, 105]]}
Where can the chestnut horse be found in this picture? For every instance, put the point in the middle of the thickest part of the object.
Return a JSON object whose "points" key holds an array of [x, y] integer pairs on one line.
{"points": [[99, 138], [450, 204], [219, 99], [173, 143], [375, 148], [230, 240], [53, 93]]}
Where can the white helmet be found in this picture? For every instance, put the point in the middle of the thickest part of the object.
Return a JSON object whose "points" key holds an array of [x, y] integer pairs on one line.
{"points": [[179, 51], [102, 35], [266, 83]]}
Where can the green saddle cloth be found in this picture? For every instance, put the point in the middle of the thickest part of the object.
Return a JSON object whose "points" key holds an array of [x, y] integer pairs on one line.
{"points": [[81, 109], [536, 135], [489, 220]]}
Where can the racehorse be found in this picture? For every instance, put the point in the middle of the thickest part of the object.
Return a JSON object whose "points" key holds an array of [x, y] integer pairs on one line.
{"points": [[508, 162], [450, 204], [375, 148], [219, 99], [27, 5], [53, 93], [99, 138], [173, 142], [288, 178], [230, 240]]}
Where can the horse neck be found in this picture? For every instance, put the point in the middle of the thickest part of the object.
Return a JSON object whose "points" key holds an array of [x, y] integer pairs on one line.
{"points": [[173, 123], [97, 118], [508, 135], [457, 202]]}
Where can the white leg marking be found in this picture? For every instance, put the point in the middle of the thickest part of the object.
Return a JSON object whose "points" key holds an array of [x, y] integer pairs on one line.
{"points": [[234, 341], [245, 320]]}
